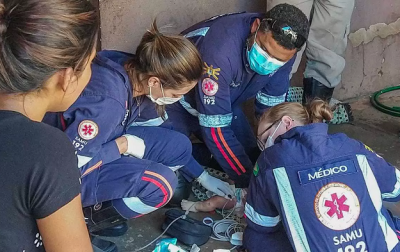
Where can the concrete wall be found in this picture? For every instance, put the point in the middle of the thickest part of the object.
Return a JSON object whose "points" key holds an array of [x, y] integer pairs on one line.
{"points": [[369, 67], [124, 21], [375, 65]]}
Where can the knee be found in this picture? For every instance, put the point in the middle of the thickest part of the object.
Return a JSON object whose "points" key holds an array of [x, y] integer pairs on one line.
{"points": [[161, 184], [181, 148]]}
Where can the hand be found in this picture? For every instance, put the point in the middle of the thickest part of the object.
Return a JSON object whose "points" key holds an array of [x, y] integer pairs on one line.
{"points": [[136, 146], [215, 185], [122, 144]]}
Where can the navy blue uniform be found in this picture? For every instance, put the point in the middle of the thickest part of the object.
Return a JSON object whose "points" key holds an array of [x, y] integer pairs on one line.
{"points": [[325, 190], [105, 111], [212, 110]]}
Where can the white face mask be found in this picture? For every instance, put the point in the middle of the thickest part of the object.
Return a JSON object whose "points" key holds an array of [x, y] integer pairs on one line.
{"points": [[163, 100], [270, 140]]}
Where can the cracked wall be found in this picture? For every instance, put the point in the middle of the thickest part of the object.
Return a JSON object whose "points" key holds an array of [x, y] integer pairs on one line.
{"points": [[369, 66], [373, 52]]}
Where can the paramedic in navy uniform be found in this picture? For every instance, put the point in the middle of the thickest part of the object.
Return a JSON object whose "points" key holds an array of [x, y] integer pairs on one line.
{"points": [[247, 55], [327, 191], [127, 155]]}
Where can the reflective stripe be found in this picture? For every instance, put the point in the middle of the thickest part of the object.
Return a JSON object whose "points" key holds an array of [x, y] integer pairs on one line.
{"points": [[233, 156], [82, 160], [152, 122], [269, 100], [215, 121], [188, 108], [396, 190], [214, 136], [199, 32], [164, 180], [94, 167], [136, 205], [176, 167], [260, 219], [290, 209], [375, 195]]}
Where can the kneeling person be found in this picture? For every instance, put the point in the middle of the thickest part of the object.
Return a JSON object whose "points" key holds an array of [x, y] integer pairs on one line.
{"points": [[327, 191]]}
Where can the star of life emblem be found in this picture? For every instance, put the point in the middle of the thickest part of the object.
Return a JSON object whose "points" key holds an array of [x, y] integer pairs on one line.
{"points": [[88, 130], [209, 87], [337, 206]]}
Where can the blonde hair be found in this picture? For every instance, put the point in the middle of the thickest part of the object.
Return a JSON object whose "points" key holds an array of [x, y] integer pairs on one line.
{"points": [[316, 111]]}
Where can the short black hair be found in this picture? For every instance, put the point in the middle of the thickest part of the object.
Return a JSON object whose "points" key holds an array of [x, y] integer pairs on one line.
{"points": [[291, 16]]}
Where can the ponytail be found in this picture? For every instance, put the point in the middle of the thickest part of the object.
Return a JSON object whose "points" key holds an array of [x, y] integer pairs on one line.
{"points": [[319, 111], [171, 58]]}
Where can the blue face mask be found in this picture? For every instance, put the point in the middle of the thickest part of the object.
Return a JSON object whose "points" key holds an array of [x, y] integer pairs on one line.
{"points": [[259, 60]]}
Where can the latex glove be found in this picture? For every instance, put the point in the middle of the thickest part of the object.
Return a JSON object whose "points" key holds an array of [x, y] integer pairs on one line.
{"points": [[136, 146], [215, 185]]}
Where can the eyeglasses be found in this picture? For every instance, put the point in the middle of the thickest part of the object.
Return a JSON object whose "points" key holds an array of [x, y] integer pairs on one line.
{"points": [[281, 28], [259, 141]]}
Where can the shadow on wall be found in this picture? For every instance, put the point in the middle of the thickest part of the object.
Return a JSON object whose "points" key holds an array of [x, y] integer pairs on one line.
{"points": [[124, 21], [369, 67]]}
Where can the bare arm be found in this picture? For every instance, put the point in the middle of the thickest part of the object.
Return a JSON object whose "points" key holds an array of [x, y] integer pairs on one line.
{"points": [[65, 229], [122, 144]]}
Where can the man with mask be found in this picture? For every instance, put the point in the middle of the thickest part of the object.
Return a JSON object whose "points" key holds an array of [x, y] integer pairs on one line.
{"points": [[326, 45], [246, 55]]}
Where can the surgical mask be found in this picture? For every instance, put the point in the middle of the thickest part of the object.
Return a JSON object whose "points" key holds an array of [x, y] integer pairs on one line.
{"points": [[260, 61], [163, 100], [270, 140]]}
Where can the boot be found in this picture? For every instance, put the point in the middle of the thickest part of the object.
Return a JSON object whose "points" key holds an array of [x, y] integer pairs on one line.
{"points": [[315, 89], [103, 219], [100, 245]]}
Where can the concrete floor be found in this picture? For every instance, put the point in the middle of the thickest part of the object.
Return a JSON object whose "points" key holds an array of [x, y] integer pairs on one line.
{"points": [[375, 129]]}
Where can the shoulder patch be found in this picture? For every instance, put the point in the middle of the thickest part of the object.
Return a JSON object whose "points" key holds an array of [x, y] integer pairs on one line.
{"points": [[209, 87], [88, 130], [211, 71], [256, 169]]}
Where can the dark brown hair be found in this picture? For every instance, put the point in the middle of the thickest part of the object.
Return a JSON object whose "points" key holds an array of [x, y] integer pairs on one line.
{"points": [[40, 37], [316, 111], [171, 58]]}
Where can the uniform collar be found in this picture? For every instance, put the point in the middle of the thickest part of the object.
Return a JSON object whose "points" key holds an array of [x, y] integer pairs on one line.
{"points": [[303, 131]]}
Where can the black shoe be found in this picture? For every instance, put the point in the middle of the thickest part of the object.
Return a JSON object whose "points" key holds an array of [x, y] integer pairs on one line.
{"points": [[181, 192], [100, 245], [315, 89], [118, 230], [103, 216]]}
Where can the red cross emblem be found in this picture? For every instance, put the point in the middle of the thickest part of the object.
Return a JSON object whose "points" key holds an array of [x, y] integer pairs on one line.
{"points": [[88, 130], [337, 206], [209, 87]]}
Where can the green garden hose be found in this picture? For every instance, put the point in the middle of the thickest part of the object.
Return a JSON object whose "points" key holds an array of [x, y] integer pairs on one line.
{"points": [[394, 111]]}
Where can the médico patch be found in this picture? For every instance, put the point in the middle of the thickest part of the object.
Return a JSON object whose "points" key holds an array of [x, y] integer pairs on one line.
{"points": [[337, 206], [327, 171], [209, 87], [88, 130]]}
